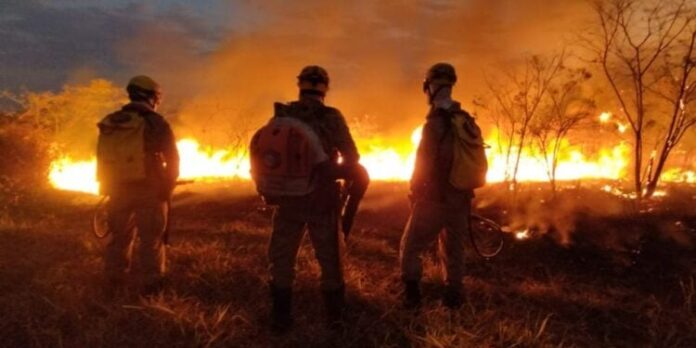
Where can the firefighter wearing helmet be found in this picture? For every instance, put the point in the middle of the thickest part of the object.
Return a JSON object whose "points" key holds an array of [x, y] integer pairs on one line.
{"points": [[437, 206], [137, 168], [313, 81], [315, 210]]}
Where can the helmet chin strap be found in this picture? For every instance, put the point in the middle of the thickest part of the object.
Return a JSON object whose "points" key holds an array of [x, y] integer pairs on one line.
{"points": [[431, 96], [312, 92], [154, 102]]}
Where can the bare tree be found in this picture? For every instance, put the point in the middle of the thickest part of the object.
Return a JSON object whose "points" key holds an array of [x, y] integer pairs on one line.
{"points": [[503, 119], [633, 37], [518, 97], [567, 107], [678, 88]]}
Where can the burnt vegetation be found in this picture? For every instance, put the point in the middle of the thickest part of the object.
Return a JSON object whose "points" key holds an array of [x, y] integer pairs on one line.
{"points": [[584, 263], [595, 271]]}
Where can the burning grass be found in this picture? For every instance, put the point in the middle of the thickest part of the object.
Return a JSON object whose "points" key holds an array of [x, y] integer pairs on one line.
{"points": [[538, 292]]}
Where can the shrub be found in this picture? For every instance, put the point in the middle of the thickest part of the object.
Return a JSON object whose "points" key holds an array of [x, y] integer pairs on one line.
{"points": [[24, 161]]}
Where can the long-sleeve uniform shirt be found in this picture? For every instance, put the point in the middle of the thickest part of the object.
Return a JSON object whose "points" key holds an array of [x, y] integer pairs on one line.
{"points": [[333, 132], [430, 179]]}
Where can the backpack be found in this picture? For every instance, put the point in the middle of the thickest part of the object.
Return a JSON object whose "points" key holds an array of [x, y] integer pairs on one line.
{"points": [[469, 164], [283, 155], [121, 149]]}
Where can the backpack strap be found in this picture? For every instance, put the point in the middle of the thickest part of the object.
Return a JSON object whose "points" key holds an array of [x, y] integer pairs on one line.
{"points": [[280, 110], [448, 125], [452, 112]]}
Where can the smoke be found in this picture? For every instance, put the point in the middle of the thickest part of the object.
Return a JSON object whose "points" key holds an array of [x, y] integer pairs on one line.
{"points": [[375, 52], [224, 63], [583, 213]]}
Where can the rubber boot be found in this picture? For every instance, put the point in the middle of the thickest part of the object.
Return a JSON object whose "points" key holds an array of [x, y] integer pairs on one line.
{"points": [[334, 303], [281, 314], [412, 294], [452, 298]]}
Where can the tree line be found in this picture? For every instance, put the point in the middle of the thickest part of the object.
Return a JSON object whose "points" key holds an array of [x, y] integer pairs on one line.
{"points": [[641, 50]]}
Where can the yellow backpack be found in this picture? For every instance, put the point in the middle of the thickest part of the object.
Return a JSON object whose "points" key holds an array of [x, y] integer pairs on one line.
{"points": [[121, 149], [469, 164]]}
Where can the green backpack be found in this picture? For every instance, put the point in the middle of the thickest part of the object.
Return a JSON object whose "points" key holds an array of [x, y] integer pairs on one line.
{"points": [[469, 164], [121, 149]]}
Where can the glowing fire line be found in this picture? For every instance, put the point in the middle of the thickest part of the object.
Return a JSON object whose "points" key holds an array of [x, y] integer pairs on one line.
{"points": [[196, 163], [383, 163]]}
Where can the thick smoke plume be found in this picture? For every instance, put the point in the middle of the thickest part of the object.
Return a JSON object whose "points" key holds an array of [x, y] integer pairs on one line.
{"points": [[376, 54]]}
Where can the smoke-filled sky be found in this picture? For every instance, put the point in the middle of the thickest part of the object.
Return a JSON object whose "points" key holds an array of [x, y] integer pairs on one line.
{"points": [[236, 57]]}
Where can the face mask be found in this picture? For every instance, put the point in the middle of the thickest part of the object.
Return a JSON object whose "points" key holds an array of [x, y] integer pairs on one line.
{"points": [[155, 101]]}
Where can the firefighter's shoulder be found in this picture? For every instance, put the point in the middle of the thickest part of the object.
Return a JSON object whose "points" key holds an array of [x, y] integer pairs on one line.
{"points": [[157, 119], [333, 113]]}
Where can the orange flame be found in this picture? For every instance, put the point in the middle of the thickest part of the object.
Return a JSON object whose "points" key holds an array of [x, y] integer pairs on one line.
{"points": [[386, 163], [522, 235], [197, 163]]}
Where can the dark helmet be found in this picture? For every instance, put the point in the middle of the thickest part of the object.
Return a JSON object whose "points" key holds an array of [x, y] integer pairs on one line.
{"points": [[314, 74], [143, 87], [440, 74]]}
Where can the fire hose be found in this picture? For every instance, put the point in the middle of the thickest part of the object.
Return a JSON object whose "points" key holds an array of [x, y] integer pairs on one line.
{"points": [[357, 180], [486, 236]]}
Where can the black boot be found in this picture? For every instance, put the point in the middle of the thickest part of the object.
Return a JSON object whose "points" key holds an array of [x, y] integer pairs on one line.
{"points": [[453, 297], [334, 302], [412, 294], [281, 315]]}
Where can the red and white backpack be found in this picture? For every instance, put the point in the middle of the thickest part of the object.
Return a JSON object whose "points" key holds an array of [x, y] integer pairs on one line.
{"points": [[284, 154]]}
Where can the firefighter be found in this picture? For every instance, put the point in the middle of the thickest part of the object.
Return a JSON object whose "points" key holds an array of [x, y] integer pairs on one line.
{"points": [[436, 204], [137, 167], [317, 211]]}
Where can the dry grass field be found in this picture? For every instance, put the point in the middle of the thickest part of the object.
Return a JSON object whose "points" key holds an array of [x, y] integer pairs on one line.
{"points": [[599, 276]]}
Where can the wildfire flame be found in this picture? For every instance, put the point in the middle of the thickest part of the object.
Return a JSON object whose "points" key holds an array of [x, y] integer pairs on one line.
{"points": [[387, 163], [621, 127], [522, 235], [610, 163], [197, 162], [676, 175], [67, 174], [606, 117]]}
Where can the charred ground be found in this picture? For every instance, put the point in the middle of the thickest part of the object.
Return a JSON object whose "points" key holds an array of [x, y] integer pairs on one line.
{"points": [[597, 271]]}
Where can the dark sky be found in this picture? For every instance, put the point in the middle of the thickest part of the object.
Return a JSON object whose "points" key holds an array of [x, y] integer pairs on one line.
{"points": [[45, 44]]}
